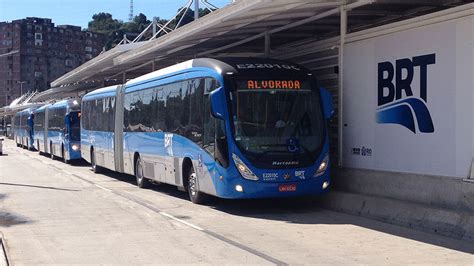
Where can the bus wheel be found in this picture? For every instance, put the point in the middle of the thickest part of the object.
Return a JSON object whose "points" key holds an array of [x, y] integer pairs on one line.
{"points": [[51, 151], [195, 195], [65, 160], [95, 168], [31, 147], [38, 145], [142, 182]]}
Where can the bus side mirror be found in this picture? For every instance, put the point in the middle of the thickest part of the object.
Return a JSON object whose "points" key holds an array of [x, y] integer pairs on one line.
{"points": [[217, 99], [328, 106]]}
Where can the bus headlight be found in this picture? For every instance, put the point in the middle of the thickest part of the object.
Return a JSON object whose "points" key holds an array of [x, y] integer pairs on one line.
{"points": [[322, 167], [75, 147], [243, 169]]}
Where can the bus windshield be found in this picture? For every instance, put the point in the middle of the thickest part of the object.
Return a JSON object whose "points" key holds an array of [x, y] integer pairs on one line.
{"points": [[277, 116], [74, 120]]}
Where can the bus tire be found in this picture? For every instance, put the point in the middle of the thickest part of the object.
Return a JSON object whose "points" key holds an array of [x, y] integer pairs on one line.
{"points": [[30, 145], [65, 160], [51, 154], [95, 168], [142, 182], [195, 195], [38, 145]]}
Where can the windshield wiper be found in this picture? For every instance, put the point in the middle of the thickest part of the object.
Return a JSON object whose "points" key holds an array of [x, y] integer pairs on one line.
{"points": [[274, 151], [272, 145]]}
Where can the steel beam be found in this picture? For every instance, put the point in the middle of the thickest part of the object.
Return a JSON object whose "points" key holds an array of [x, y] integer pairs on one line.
{"points": [[340, 110], [289, 26]]}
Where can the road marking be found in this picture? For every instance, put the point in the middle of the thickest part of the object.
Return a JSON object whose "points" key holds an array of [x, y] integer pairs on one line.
{"points": [[181, 221], [101, 187]]}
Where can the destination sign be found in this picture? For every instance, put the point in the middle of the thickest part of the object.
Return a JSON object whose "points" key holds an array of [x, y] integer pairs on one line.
{"points": [[273, 84], [268, 66]]}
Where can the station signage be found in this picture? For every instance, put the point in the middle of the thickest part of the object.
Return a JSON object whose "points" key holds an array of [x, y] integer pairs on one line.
{"points": [[395, 99], [409, 108]]}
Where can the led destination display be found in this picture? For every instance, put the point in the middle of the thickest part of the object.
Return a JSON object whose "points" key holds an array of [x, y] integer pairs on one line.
{"points": [[273, 84]]}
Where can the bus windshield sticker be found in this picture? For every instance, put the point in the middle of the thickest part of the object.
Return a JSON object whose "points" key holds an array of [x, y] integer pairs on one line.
{"points": [[168, 143]]}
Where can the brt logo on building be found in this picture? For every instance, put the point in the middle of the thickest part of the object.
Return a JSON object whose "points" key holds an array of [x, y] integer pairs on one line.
{"points": [[396, 103]]}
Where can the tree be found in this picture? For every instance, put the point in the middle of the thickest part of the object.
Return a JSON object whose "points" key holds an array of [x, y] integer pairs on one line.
{"points": [[141, 21], [104, 23], [187, 16], [114, 29]]}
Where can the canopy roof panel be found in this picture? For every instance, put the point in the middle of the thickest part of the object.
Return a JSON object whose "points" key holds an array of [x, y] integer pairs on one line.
{"points": [[243, 28]]}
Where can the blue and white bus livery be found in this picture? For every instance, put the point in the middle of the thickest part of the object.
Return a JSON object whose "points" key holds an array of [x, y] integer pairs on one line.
{"points": [[98, 127], [40, 130], [57, 130], [23, 122], [229, 127]]}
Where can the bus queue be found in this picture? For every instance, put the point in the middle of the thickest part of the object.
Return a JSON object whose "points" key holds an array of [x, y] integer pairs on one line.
{"points": [[226, 127]]}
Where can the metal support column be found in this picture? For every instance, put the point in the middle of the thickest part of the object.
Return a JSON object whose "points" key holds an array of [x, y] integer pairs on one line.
{"points": [[155, 21], [267, 43], [196, 9], [340, 113], [124, 77]]}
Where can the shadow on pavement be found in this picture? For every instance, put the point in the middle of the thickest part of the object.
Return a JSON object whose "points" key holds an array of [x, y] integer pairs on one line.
{"points": [[34, 186], [302, 210], [8, 219]]}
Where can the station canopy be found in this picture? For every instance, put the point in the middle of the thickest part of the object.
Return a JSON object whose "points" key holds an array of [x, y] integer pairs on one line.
{"points": [[243, 28]]}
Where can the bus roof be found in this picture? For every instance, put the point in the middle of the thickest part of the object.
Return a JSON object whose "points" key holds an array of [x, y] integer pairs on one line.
{"points": [[162, 72], [102, 92], [42, 108], [249, 66], [25, 111], [64, 104]]}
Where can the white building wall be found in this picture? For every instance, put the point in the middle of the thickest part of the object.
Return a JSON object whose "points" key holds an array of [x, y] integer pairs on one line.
{"points": [[449, 149]]}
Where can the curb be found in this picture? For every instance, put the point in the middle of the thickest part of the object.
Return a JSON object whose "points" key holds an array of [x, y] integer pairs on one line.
{"points": [[451, 223]]}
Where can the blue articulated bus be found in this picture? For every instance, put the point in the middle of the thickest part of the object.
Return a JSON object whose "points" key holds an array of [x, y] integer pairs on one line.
{"points": [[228, 127], [57, 130], [23, 128], [39, 140]]}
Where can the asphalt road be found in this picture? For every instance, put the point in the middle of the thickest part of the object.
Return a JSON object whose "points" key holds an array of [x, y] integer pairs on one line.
{"points": [[51, 212]]}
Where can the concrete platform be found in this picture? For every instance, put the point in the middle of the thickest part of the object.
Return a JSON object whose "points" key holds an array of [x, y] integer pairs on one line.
{"points": [[434, 204]]}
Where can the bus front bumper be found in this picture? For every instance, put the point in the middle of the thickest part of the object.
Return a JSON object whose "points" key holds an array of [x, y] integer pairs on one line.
{"points": [[240, 188]]}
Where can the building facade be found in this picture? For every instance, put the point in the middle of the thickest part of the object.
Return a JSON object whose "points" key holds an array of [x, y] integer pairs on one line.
{"points": [[34, 52]]}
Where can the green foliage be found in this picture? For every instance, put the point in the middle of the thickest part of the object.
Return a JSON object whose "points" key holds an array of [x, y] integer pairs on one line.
{"points": [[114, 29], [104, 23], [187, 17]]}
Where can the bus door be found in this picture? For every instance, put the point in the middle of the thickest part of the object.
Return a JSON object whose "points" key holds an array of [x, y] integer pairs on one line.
{"points": [[118, 130], [45, 135], [72, 127]]}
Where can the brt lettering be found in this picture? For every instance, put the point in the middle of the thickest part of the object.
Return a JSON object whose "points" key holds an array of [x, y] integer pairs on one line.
{"points": [[388, 91]]}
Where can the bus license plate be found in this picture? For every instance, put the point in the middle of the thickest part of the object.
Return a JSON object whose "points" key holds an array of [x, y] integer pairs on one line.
{"points": [[287, 188]]}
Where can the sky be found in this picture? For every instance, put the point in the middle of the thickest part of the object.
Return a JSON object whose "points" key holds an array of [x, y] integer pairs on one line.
{"points": [[79, 12]]}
